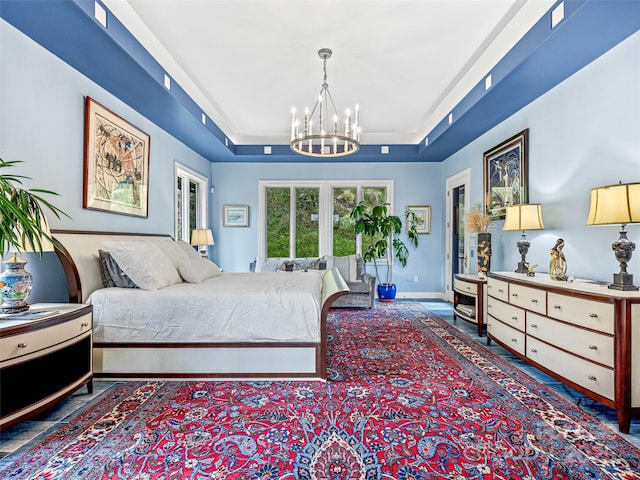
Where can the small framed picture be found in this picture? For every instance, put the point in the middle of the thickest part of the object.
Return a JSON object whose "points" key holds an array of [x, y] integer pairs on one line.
{"points": [[421, 218], [235, 216]]}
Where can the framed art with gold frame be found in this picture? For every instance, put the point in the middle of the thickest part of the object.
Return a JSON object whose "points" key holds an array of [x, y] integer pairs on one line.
{"points": [[422, 218], [116, 163], [505, 174], [235, 216]]}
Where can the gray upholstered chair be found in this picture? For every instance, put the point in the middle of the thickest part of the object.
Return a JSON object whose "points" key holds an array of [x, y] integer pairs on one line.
{"points": [[361, 284]]}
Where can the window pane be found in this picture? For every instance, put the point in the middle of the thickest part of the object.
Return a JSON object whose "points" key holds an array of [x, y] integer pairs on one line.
{"points": [[278, 222], [193, 206], [178, 235], [344, 234], [307, 222], [374, 195]]}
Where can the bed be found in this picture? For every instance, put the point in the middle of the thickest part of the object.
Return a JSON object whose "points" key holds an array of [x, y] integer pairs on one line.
{"points": [[234, 325]]}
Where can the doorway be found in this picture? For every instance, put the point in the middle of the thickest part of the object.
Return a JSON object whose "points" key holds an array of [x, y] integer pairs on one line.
{"points": [[457, 242]]}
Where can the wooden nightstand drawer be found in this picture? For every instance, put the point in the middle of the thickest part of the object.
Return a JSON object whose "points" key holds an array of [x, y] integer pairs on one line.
{"points": [[585, 313], [498, 289], [530, 298], [585, 343], [23, 344], [465, 287]]}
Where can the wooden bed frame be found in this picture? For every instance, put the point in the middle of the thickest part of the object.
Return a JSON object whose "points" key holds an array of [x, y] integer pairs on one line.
{"points": [[78, 254]]}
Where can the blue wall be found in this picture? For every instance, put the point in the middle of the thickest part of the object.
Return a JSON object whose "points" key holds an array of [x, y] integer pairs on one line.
{"points": [[584, 133], [414, 184], [42, 123]]}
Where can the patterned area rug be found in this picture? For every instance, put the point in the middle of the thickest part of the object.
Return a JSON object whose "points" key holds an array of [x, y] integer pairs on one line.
{"points": [[410, 398]]}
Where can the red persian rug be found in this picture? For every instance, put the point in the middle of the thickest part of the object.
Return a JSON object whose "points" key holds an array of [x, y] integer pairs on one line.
{"points": [[410, 398]]}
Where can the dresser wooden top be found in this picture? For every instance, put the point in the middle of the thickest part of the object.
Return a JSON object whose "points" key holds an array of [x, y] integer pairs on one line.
{"points": [[578, 286]]}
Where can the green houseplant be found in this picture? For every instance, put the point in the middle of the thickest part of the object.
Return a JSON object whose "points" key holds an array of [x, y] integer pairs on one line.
{"points": [[381, 241], [23, 227]]}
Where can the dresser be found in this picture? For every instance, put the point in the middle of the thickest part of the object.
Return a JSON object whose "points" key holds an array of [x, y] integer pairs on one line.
{"points": [[469, 299], [45, 355], [581, 333]]}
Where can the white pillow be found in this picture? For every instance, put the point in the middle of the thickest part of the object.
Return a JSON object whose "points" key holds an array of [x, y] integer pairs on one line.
{"points": [[189, 250], [197, 271], [172, 250], [144, 263]]}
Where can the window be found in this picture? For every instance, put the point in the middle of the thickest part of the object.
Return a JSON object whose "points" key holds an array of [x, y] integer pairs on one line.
{"points": [[190, 202], [312, 218]]}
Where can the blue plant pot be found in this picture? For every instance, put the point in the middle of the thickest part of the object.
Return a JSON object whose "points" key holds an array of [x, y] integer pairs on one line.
{"points": [[387, 292]]}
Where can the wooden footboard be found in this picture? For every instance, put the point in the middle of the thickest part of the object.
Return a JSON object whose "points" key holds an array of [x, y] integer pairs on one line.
{"points": [[78, 254]]}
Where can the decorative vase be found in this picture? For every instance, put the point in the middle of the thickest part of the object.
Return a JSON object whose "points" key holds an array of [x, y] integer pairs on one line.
{"points": [[387, 292], [15, 285], [484, 252]]}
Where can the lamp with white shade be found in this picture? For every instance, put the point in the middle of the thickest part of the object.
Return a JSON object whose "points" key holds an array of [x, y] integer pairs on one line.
{"points": [[15, 281], [202, 237], [523, 217], [617, 204]]}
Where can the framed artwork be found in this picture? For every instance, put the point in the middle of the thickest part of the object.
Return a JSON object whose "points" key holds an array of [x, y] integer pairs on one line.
{"points": [[116, 163], [422, 219], [235, 216], [505, 174]]}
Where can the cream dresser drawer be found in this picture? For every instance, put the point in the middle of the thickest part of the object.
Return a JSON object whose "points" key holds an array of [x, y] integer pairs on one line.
{"points": [[585, 343], [512, 316], [507, 335], [498, 289], [594, 377], [29, 342], [530, 298], [585, 313], [465, 287]]}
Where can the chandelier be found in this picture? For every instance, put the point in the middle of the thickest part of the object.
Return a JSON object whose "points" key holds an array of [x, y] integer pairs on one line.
{"points": [[325, 137]]}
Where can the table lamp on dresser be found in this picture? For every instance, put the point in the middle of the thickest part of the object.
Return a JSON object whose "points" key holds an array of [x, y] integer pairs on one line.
{"points": [[523, 217], [617, 204]]}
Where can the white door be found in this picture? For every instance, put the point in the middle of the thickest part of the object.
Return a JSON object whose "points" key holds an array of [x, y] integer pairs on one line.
{"points": [[457, 251]]}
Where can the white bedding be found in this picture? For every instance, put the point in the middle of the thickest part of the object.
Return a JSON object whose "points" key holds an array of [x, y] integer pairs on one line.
{"points": [[233, 307]]}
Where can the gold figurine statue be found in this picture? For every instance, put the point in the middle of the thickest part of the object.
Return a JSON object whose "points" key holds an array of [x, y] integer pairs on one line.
{"points": [[558, 263]]}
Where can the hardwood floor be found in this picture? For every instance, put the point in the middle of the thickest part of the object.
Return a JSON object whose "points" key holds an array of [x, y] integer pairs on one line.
{"points": [[24, 434]]}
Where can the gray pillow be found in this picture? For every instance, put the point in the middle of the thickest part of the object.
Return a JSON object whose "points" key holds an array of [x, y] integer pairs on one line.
{"points": [[112, 274]]}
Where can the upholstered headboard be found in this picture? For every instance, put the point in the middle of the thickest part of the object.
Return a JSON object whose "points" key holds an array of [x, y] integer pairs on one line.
{"points": [[78, 254]]}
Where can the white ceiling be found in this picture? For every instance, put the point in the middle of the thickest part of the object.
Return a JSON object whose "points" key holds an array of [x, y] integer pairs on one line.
{"points": [[406, 63]]}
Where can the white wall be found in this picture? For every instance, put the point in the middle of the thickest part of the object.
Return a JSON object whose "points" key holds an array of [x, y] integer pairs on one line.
{"points": [[584, 133], [42, 124]]}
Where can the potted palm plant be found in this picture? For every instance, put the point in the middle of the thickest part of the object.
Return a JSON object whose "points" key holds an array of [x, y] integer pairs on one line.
{"points": [[381, 232], [23, 227]]}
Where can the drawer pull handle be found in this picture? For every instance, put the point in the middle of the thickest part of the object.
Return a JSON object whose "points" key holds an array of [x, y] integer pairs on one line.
{"points": [[591, 377], [534, 300], [514, 294], [534, 325], [500, 290], [515, 319], [534, 350], [514, 340], [22, 345], [593, 315], [557, 307], [593, 347], [84, 324]]}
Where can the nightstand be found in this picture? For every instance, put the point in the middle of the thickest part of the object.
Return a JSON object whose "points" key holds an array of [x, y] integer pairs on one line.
{"points": [[469, 299], [45, 355]]}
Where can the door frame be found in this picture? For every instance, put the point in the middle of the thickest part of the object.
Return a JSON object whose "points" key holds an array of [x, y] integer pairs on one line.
{"points": [[460, 179]]}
